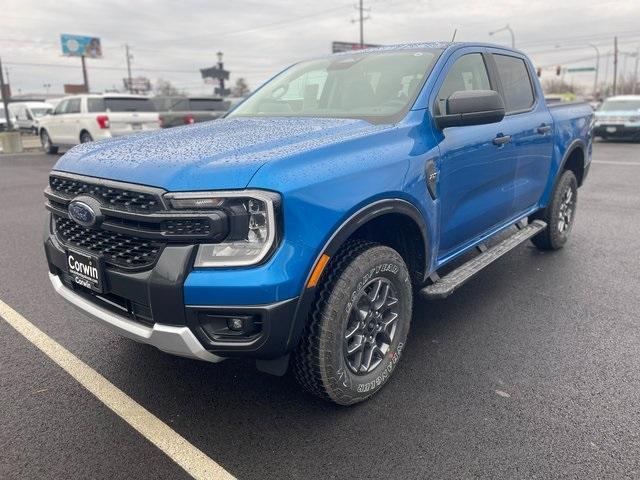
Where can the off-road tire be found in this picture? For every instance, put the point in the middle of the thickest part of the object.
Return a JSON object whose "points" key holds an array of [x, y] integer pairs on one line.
{"points": [[46, 143], [552, 237], [320, 362]]}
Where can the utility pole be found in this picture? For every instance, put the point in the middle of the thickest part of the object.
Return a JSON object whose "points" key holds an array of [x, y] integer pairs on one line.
{"points": [[635, 75], [361, 19], [221, 67], [129, 57], [595, 80], [4, 91], [84, 73], [615, 65], [361, 24]]}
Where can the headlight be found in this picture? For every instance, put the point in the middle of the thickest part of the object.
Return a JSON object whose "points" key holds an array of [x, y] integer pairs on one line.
{"points": [[252, 225]]}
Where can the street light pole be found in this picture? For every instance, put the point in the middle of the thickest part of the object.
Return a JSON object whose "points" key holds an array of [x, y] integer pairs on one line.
{"points": [[510, 30], [595, 80]]}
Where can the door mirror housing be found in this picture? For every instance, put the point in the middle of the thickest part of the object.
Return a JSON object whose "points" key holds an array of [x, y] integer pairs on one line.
{"points": [[471, 107]]}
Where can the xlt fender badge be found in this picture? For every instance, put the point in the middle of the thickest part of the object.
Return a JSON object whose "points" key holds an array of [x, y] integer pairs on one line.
{"points": [[432, 178]]}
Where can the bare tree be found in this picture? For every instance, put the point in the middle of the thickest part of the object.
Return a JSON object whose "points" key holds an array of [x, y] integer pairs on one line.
{"points": [[553, 85], [241, 88], [165, 88]]}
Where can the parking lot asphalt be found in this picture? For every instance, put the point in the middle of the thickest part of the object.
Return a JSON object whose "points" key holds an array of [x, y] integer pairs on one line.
{"points": [[531, 370]]}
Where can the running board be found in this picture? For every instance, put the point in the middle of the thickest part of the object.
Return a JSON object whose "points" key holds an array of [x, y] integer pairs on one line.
{"points": [[445, 286]]}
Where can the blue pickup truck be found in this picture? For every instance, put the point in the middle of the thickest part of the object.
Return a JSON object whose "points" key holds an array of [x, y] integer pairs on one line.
{"points": [[299, 229]]}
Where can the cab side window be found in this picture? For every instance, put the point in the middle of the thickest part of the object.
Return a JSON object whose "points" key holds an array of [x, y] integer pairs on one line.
{"points": [[468, 73], [61, 108], [516, 83]]}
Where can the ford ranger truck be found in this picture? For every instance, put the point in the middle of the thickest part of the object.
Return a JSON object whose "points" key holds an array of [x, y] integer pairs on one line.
{"points": [[300, 228]]}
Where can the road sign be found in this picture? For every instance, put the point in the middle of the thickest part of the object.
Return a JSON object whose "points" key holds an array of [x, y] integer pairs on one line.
{"points": [[337, 47], [581, 69], [215, 72], [138, 84], [80, 46]]}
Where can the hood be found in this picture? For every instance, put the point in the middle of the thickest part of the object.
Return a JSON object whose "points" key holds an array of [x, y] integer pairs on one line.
{"points": [[617, 113], [221, 154]]}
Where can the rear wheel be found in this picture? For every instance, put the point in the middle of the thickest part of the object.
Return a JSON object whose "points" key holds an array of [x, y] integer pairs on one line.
{"points": [[358, 326], [559, 214], [46, 143], [85, 137]]}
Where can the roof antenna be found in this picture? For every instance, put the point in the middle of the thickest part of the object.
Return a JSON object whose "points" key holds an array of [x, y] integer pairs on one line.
{"points": [[454, 34]]}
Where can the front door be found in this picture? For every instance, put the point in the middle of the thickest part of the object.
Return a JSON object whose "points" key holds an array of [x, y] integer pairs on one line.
{"points": [[477, 167]]}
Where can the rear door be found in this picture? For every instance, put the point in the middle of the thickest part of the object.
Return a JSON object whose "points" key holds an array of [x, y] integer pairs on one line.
{"points": [[70, 124], [476, 167], [529, 124], [130, 114]]}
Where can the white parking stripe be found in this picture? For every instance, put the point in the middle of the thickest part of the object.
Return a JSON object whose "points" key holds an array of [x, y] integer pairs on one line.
{"points": [[190, 458], [613, 162]]}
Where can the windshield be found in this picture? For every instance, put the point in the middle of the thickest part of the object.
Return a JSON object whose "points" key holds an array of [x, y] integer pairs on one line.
{"points": [[120, 104], [379, 87], [40, 111], [620, 106]]}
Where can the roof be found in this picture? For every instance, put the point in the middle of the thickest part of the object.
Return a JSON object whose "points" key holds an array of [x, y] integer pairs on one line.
{"points": [[426, 45]]}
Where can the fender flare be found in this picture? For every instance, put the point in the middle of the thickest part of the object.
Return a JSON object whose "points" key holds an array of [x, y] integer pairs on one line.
{"points": [[339, 236], [576, 144]]}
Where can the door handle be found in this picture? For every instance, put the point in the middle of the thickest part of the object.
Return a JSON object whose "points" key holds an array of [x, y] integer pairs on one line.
{"points": [[502, 139], [542, 129]]}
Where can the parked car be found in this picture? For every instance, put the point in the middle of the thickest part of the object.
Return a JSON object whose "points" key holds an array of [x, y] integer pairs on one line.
{"points": [[619, 118], [299, 228], [181, 110], [84, 118], [3, 119], [28, 114]]}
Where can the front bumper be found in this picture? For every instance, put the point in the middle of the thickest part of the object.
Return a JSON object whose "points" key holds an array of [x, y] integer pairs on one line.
{"points": [[617, 131], [150, 307], [169, 338]]}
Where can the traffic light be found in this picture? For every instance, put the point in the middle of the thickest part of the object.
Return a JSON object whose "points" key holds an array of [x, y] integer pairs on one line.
{"points": [[539, 72], [558, 70]]}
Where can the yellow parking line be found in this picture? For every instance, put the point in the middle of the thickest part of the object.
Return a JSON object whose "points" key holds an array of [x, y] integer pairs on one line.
{"points": [[190, 458]]}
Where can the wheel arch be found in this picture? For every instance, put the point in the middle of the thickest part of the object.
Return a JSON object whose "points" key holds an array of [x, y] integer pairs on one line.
{"points": [[392, 212], [574, 160]]}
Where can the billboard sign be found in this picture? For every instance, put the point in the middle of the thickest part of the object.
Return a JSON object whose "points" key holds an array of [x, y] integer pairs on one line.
{"points": [[80, 46], [337, 47], [214, 72]]}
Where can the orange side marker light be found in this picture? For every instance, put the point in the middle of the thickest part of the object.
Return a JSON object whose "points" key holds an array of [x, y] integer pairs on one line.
{"points": [[317, 271]]}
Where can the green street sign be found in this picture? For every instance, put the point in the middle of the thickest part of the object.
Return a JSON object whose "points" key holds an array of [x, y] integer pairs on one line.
{"points": [[581, 69]]}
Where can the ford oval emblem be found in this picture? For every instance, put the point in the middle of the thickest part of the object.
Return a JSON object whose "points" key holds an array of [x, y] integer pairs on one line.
{"points": [[83, 214]]}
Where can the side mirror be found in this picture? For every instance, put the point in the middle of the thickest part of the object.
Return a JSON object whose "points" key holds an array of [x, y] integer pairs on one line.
{"points": [[471, 107]]}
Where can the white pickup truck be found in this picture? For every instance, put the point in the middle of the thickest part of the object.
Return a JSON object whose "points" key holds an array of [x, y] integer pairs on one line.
{"points": [[84, 118]]}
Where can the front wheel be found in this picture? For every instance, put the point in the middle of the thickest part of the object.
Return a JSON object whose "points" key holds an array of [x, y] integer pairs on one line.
{"points": [[559, 214], [85, 137], [358, 326], [46, 143]]}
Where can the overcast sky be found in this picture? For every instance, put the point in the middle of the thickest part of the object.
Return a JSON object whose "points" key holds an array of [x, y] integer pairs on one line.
{"points": [[173, 40]]}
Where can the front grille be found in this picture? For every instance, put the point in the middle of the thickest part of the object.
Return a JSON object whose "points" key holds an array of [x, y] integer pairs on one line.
{"points": [[187, 226], [116, 198], [125, 251]]}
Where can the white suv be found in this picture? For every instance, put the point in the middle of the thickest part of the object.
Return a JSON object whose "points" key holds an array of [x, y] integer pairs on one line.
{"points": [[84, 118]]}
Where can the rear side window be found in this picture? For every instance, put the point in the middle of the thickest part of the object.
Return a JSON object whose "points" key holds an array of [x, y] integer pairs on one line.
{"points": [[467, 73], [95, 105], [516, 83]]}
